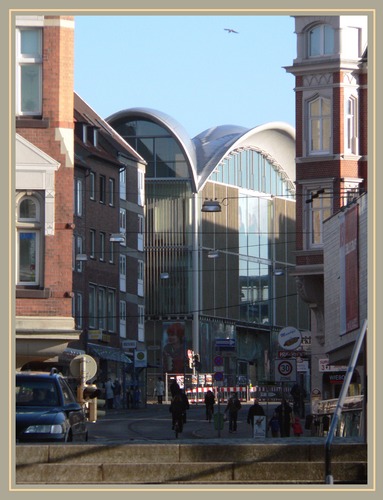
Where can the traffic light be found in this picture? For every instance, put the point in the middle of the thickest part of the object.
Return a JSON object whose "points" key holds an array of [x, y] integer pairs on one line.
{"points": [[197, 362], [191, 359], [87, 395]]}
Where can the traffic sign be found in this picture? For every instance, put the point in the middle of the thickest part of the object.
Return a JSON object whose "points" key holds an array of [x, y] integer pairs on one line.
{"points": [[218, 376], [285, 370], [222, 344], [218, 361]]}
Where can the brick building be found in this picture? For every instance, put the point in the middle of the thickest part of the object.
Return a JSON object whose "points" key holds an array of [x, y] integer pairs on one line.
{"points": [[44, 186], [331, 163], [108, 244]]}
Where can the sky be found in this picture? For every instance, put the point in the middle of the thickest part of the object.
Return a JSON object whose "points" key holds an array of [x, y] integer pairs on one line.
{"points": [[188, 67]]}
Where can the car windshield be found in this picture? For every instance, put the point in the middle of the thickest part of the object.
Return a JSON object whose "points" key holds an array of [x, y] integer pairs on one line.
{"points": [[36, 393]]}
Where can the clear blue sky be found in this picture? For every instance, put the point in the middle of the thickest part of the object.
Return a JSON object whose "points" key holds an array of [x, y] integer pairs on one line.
{"points": [[188, 67]]}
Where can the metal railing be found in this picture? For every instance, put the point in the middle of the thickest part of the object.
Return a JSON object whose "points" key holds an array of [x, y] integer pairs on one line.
{"points": [[346, 383]]}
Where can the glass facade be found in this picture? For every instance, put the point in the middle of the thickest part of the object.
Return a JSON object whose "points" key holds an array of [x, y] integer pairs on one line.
{"points": [[249, 169], [239, 297]]}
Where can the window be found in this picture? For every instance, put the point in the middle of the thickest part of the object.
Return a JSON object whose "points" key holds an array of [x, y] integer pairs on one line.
{"points": [[102, 246], [92, 186], [78, 197], [123, 273], [29, 72], [78, 310], [123, 184], [123, 319], [101, 308], [111, 310], [141, 323], [92, 307], [102, 189], [123, 223], [29, 241], [111, 192], [319, 126], [141, 188], [111, 252], [78, 251], [92, 234], [140, 234], [319, 208], [351, 128], [321, 40], [140, 280]]}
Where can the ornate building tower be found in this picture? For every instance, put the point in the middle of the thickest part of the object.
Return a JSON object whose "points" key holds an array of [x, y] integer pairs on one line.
{"points": [[331, 145]]}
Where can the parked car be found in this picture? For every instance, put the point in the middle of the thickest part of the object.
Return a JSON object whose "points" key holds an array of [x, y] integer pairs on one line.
{"points": [[47, 410]]}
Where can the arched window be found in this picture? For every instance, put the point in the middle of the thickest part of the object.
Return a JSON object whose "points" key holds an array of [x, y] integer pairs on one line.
{"points": [[29, 240], [319, 111], [320, 40]]}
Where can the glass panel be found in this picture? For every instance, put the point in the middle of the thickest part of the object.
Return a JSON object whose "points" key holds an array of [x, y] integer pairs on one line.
{"points": [[28, 210], [315, 135], [326, 134], [27, 257], [30, 88], [315, 37], [315, 107], [30, 42], [328, 40]]}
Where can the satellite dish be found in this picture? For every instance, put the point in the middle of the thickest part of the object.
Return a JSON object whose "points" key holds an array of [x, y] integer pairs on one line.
{"points": [[90, 366]]}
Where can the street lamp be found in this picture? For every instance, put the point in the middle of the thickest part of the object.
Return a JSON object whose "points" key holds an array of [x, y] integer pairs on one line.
{"points": [[117, 237]]}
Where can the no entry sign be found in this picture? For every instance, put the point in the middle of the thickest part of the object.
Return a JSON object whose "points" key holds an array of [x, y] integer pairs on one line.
{"points": [[285, 370]]}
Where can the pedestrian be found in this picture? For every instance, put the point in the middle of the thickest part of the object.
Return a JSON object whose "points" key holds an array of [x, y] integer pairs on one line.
{"points": [[177, 408], [274, 425], [284, 412], [116, 394], [298, 394], [255, 409], [174, 388], [136, 397], [297, 427], [129, 398], [109, 396], [209, 404], [160, 389], [232, 408]]}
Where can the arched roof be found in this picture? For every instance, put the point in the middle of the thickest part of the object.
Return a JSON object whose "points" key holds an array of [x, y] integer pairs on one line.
{"points": [[275, 140]]}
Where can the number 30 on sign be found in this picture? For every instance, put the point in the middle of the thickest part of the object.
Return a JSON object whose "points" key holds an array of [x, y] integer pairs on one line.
{"points": [[285, 370]]}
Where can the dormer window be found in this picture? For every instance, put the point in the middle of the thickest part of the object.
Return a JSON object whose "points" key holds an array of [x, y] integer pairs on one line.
{"points": [[321, 40]]}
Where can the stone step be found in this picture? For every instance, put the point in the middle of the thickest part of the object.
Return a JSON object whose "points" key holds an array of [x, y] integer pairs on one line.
{"points": [[188, 463]]}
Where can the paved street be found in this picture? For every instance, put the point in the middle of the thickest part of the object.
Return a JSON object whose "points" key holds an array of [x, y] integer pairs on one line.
{"points": [[153, 423]]}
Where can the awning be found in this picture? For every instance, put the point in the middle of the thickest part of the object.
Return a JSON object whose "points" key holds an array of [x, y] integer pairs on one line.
{"points": [[111, 353]]}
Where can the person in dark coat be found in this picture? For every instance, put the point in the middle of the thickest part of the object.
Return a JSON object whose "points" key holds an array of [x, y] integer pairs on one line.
{"points": [[174, 388], [177, 408], [284, 413], [255, 409], [232, 408]]}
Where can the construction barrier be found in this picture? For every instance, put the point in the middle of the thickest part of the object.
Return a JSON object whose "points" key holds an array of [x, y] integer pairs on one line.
{"points": [[198, 394]]}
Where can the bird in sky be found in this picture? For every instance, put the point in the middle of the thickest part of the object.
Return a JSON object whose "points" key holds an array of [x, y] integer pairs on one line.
{"points": [[229, 30]]}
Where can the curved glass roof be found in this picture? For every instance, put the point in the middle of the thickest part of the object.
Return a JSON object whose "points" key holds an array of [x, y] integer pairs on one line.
{"points": [[203, 153]]}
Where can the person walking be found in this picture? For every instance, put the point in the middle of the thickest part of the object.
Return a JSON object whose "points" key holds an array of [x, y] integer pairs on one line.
{"points": [[109, 396], [297, 427], [274, 425], [232, 408], [284, 412], [117, 393], [255, 409], [160, 389], [209, 404]]}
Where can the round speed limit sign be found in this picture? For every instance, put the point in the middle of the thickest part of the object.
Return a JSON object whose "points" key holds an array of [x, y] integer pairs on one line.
{"points": [[285, 370]]}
